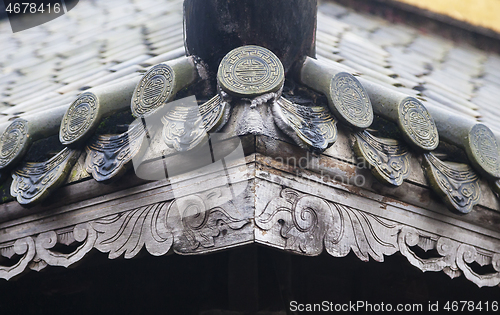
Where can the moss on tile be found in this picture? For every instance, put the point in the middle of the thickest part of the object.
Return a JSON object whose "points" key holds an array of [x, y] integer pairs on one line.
{"points": [[5, 190], [115, 124], [43, 149]]}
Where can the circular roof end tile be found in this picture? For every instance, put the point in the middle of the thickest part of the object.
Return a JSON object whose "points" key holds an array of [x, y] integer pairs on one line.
{"points": [[80, 117], [483, 152], [13, 143], [417, 125], [350, 101], [154, 90], [250, 71]]}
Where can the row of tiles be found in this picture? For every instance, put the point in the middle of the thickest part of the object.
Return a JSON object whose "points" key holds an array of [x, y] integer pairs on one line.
{"points": [[460, 78]]}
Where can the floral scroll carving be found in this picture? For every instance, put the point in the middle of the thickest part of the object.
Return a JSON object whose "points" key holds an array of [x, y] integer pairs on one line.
{"points": [[129, 232], [81, 233], [468, 254], [307, 225], [310, 224], [455, 258], [209, 221], [25, 247], [303, 221], [447, 249], [187, 224], [192, 224]]}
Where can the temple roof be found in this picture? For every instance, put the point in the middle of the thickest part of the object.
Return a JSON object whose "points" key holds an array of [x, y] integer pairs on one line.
{"points": [[45, 68], [109, 50], [57, 61], [48, 66]]}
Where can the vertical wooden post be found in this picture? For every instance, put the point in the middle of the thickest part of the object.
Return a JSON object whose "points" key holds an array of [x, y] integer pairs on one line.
{"points": [[212, 28]]}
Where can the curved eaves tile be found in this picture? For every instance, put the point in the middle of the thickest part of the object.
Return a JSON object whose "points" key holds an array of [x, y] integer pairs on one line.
{"points": [[33, 182], [18, 137], [390, 72]]}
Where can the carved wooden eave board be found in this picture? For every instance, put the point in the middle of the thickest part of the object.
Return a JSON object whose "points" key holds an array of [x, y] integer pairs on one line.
{"points": [[297, 185], [305, 214]]}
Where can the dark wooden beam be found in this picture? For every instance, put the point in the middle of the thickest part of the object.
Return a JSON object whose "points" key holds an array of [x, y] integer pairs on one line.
{"points": [[243, 277], [215, 27]]}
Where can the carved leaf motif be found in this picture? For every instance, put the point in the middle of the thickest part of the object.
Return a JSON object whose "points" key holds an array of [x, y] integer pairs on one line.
{"points": [[189, 223], [37, 264], [309, 126], [457, 184], [303, 220], [7, 251], [109, 156], [25, 247], [196, 226], [82, 233], [389, 159], [185, 127], [35, 181], [364, 233], [128, 232], [307, 222]]}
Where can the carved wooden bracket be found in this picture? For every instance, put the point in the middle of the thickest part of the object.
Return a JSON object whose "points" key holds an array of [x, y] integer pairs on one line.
{"points": [[81, 233], [25, 247], [192, 224], [209, 221], [187, 225], [307, 225]]}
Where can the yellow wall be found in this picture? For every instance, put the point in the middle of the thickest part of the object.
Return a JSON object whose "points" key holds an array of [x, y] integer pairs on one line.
{"points": [[485, 13]]}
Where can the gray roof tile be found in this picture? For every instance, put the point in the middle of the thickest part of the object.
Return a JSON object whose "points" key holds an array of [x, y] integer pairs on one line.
{"points": [[55, 65]]}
